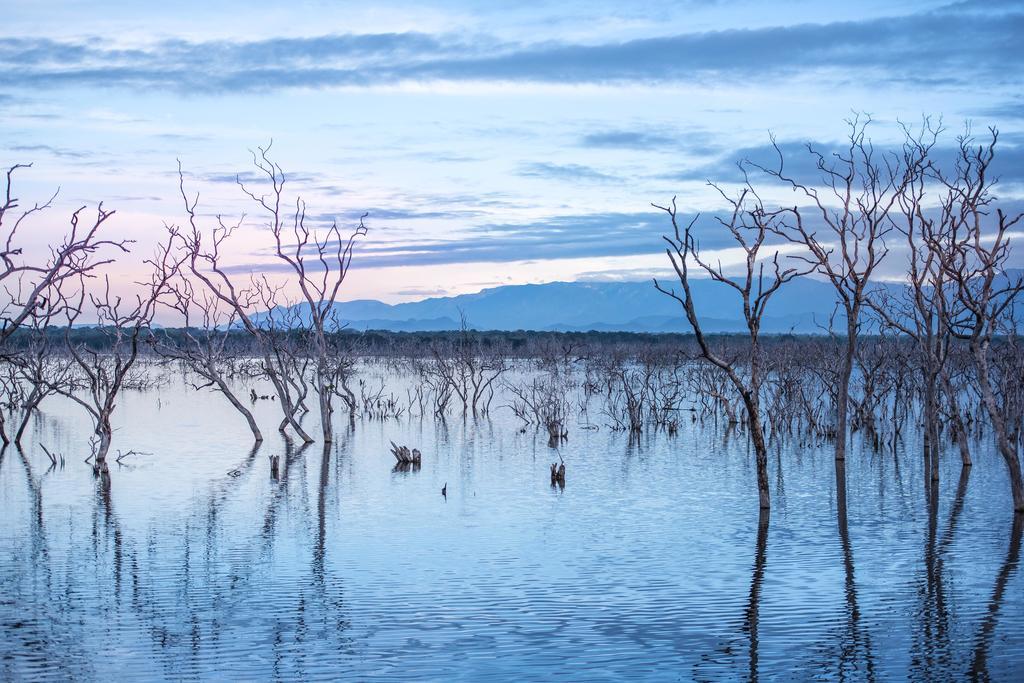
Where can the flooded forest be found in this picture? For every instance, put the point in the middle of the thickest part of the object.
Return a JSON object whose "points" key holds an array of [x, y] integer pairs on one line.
{"points": [[215, 477]]}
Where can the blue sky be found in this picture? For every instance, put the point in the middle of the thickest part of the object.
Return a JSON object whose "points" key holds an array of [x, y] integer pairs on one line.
{"points": [[491, 143]]}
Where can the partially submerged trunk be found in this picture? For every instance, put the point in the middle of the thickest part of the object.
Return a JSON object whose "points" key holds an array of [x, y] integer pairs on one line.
{"points": [[326, 409], [288, 407], [105, 434], [33, 401], [753, 406], [239, 406], [1007, 449], [959, 428]]}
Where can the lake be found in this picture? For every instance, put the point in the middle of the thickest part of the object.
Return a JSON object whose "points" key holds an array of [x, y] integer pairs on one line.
{"points": [[649, 564]]}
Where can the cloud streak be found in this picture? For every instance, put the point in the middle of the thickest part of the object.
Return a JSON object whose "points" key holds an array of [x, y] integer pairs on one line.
{"points": [[49, 149], [566, 172], [558, 237], [628, 139], [959, 42], [799, 163]]}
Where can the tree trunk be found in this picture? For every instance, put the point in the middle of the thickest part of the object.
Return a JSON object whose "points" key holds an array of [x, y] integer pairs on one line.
{"points": [[105, 432], [3, 432], [760, 452], [326, 410], [959, 430], [30, 405], [324, 391], [931, 427], [962, 443], [286, 404], [843, 394], [246, 413], [1006, 448]]}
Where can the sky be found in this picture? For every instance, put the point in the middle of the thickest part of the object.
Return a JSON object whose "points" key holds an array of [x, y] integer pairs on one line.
{"points": [[490, 143]]}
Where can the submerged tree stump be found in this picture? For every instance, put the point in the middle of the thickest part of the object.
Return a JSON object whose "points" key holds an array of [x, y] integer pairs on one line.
{"points": [[556, 430], [275, 460], [558, 474]]}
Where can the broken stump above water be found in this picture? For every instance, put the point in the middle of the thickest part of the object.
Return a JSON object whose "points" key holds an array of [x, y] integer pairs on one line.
{"points": [[404, 456]]}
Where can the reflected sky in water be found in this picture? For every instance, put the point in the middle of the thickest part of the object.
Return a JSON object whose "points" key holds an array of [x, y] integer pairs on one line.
{"points": [[650, 564]]}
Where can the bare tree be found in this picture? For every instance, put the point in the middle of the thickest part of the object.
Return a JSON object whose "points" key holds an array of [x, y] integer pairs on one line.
{"points": [[31, 289], [320, 264], [285, 341], [205, 346], [919, 312], [38, 364], [468, 368], [974, 250], [749, 225], [206, 264], [26, 284], [844, 236], [106, 369]]}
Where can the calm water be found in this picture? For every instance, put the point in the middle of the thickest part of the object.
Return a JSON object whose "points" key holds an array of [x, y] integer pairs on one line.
{"points": [[648, 565]]}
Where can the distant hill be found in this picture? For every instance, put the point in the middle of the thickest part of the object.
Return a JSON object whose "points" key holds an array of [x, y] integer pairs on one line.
{"points": [[584, 306], [802, 306]]}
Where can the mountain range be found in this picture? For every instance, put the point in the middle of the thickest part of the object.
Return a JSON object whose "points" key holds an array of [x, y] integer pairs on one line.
{"points": [[802, 306]]}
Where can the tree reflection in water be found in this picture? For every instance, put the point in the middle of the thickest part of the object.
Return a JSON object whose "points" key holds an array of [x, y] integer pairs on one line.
{"points": [[983, 641], [756, 579], [857, 640], [287, 577]]}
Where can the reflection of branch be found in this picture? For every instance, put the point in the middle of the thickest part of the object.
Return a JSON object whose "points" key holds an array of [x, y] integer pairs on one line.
{"points": [[851, 585], [319, 547], [36, 491], [105, 503], [218, 497], [59, 648], [934, 596], [979, 666], [955, 510], [756, 578]]}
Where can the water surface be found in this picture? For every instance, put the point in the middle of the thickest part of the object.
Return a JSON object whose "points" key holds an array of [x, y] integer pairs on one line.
{"points": [[649, 564]]}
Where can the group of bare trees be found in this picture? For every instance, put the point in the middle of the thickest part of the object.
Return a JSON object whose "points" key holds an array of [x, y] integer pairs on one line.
{"points": [[41, 292], [186, 279], [958, 288], [750, 224], [940, 352], [293, 339]]}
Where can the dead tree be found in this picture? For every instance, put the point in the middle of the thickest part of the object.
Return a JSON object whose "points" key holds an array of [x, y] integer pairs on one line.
{"points": [[205, 263], [38, 365], [844, 233], [749, 225], [973, 247], [105, 370], [26, 284], [341, 370], [469, 369], [32, 288], [542, 402], [286, 345], [919, 312], [320, 264], [205, 342]]}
